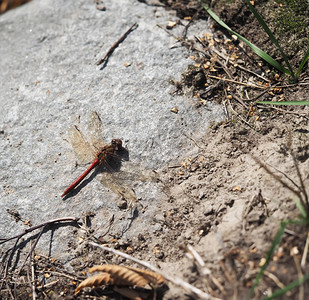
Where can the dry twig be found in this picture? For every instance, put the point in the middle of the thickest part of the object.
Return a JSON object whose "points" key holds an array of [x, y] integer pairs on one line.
{"points": [[201, 264], [300, 190], [10, 253], [115, 45], [238, 82], [27, 230], [304, 257]]}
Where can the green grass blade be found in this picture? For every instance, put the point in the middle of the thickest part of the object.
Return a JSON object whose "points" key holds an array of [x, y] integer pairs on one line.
{"points": [[269, 255], [254, 48], [300, 221], [303, 62], [289, 287], [271, 36], [284, 103], [301, 208]]}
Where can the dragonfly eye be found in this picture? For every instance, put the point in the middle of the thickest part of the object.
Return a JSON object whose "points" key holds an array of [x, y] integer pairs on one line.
{"points": [[117, 143]]}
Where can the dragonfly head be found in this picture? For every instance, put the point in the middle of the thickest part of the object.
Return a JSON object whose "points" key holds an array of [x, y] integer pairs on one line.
{"points": [[117, 144]]}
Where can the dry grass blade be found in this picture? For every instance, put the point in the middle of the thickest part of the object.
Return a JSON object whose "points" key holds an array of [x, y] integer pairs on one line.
{"points": [[300, 191], [96, 280], [121, 275], [278, 178]]}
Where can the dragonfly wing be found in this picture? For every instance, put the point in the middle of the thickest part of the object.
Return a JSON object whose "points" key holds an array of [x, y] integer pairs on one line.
{"points": [[95, 130], [123, 190], [134, 172], [81, 147]]}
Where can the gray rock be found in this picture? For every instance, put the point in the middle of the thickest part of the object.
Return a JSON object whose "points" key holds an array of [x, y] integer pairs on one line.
{"points": [[49, 77]]}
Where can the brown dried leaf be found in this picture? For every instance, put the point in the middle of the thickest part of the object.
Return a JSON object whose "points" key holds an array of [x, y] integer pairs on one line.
{"points": [[121, 275], [96, 280], [9, 4], [152, 277]]}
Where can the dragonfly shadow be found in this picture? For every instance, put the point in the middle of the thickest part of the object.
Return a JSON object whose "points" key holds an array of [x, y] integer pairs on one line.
{"points": [[78, 188], [14, 257], [113, 162], [134, 215]]}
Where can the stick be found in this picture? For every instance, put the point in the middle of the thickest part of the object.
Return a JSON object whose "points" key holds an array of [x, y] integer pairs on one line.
{"points": [[175, 280], [115, 45], [28, 255], [249, 71], [238, 82], [13, 249], [199, 260], [304, 257], [33, 283], [6, 268], [38, 226]]}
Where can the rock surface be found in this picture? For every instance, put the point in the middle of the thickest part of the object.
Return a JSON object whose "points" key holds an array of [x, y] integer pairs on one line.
{"points": [[49, 79]]}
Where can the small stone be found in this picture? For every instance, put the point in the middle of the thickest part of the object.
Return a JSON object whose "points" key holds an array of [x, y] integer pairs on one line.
{"points": [[122, 204]]}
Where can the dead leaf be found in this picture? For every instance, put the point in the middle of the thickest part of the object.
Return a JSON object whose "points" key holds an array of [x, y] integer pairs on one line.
{"points": [[174, 110], [96, 280], [236, 188], [171, 24], [121, 275], [27, 223], [152, 277]]}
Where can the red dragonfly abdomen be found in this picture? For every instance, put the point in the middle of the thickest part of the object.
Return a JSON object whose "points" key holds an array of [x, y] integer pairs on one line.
{"points": [[80, 178]]}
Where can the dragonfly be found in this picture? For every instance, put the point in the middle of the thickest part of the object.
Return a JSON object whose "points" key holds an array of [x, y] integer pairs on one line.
{"points": [[110, 156], [101, 157]]}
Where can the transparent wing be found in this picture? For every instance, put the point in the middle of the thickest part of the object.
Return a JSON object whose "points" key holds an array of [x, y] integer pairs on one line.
{"points": [[122, 182], [109, 181], [81, 147], [95, 130], [134, 172]]}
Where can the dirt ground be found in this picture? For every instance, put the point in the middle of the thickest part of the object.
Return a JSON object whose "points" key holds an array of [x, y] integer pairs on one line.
{"points": [[222, 202]]}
